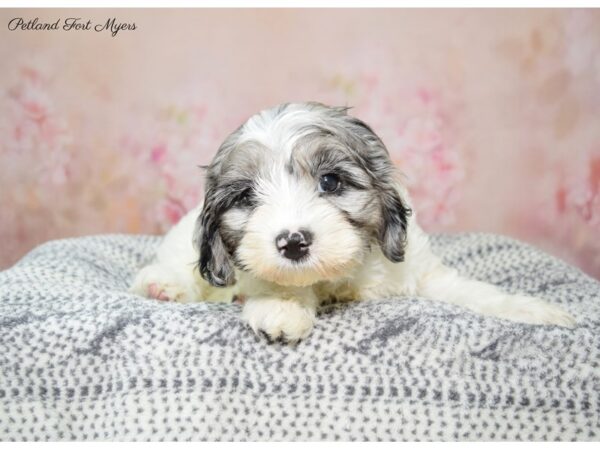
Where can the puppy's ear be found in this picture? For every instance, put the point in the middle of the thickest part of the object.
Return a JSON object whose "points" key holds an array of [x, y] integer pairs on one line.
{"points": [[394, 216], [215, 264], [374, 158]]}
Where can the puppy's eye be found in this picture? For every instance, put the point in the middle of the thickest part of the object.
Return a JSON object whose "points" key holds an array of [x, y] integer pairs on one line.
{"points": [[329, 182], [244, 199]]}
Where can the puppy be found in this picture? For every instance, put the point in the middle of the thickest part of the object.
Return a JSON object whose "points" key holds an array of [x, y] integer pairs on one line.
{"points": [[302, 203]]}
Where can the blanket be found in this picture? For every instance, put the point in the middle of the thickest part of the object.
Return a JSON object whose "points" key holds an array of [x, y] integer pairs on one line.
{"points": [[82, 359]]}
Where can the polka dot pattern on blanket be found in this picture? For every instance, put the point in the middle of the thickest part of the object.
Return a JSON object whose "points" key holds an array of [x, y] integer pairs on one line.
{"points": [[81, 359]]}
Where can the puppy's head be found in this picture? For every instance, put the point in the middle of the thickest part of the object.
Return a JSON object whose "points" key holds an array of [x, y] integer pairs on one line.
{"points": [[297, 195]]}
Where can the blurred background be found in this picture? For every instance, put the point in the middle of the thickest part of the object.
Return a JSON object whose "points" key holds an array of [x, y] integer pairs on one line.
{"points": [[493, 115]]}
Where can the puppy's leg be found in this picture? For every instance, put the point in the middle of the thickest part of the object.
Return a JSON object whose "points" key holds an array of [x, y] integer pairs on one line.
{"points": [[172, 276], [445, 284], [280, 312], [168, 282]]}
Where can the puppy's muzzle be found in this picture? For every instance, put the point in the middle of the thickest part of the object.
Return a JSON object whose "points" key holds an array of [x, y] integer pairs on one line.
{"points": [[294, 246]]}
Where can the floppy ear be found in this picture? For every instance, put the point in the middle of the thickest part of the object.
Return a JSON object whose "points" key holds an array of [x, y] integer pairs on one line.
{"points": [[392, 234], [215, 264], [375, 159]]}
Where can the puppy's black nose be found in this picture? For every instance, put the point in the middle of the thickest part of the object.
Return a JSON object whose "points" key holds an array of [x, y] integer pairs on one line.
{"points": [[294, 245]]}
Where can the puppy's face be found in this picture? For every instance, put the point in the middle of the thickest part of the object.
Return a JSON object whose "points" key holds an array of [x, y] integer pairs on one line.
{"points": [[298, 194]]}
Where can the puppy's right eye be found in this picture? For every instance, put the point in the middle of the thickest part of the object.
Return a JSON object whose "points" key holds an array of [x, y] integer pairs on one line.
{"points": [[244, 199], [329, 183]]}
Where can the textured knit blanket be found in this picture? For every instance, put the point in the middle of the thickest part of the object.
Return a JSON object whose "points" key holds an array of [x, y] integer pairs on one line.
{"points": [[81, 359]]}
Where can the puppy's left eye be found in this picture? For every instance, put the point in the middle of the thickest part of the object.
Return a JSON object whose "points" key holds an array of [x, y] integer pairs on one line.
{"points": [[329, 183]]}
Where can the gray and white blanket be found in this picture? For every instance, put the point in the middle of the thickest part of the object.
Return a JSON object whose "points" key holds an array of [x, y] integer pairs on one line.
{"points": [[81, 359]]}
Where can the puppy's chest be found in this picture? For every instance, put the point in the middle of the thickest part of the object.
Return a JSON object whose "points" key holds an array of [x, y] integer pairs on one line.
{"points": [[342, 291], [372, 281]]}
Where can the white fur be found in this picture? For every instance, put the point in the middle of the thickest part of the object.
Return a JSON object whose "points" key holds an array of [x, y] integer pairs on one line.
{"points": [[282, 296], [290, 311], [174, 270]]}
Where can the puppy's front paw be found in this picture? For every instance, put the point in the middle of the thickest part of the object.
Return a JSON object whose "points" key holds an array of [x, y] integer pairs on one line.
{"points": [[287, 320], [521, 308], [160, 282]]}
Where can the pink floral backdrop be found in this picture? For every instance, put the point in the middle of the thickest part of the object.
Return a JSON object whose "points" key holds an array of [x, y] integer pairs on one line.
{"points": [[493, 115]]}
